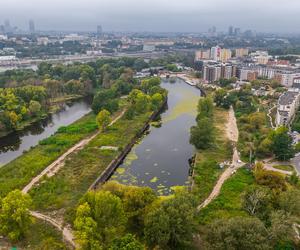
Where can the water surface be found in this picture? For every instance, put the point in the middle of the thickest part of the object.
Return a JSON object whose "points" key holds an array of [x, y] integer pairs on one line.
{"points": [[160, 160]]}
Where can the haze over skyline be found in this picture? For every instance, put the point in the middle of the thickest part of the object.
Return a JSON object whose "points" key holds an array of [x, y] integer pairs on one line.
{"points": [[153, 15]]}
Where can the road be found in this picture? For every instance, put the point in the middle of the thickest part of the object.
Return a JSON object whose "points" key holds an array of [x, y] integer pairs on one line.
{"points": [[232, 134]]}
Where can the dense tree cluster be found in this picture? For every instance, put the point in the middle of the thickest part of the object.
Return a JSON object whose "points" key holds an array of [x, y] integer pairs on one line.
{"points": [[202, 135], [14, 215], [104, 218], [20, 104]]}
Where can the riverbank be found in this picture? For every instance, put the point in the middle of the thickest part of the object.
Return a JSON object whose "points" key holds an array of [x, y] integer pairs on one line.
{"points": [[73, 180], [56, 105], [160, 160], [19, 172]]}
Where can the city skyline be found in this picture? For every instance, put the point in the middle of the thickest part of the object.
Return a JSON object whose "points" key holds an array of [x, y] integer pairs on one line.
{"points": [[154, 15]]}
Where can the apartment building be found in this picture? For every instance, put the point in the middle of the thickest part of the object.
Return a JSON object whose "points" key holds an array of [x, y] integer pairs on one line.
{"points": [[241, 52], [287, 107]]}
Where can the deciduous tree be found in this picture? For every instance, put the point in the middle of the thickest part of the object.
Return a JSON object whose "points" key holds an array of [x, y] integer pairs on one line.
{"points": [[14, 215], [103, 119]]}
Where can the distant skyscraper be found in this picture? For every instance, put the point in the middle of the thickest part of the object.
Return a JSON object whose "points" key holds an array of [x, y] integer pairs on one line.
{"points": [[214, 29], [7, 28], [230, 30], [237, 31], [99, 31], [31, 27]]}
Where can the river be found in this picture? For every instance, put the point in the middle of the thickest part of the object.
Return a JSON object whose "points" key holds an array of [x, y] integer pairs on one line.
{"points": [[160, 159], [13, 145]]}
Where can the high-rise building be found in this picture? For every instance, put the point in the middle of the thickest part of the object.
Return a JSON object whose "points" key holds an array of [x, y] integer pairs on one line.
{"points": [[202, 54], [99, 31], [231, 31], [225, 55], [7, 27], [215, 53], [31, 27], [241, 52], [211, 73], [237, 31], [226, 71]]}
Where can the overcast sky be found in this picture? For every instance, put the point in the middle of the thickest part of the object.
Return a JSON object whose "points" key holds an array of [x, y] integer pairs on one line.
{"points": [[154, 15]]}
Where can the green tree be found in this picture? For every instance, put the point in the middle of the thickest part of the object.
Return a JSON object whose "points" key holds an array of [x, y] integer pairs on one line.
{"points": [[202, 135], [220, 98], [256, 201], [282, 144], [86, 228], [142, 103], [128, 242], [172, 224], [282, 227], [156, 101], [14, 215], [103, 100], [100, 219], [34, 107], [205, 108], [237, 233], [289, 202], [103, 119]]}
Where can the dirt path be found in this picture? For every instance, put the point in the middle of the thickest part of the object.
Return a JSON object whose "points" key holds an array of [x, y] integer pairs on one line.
{"points": [[233, 135], [270, 117], [50, 171], [231, 127], [268, 165], [54, 167], [67, 233]]}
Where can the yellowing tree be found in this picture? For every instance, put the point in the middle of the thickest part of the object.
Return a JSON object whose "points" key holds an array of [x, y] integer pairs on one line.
{"points": [[103, 119], [14, 215]]}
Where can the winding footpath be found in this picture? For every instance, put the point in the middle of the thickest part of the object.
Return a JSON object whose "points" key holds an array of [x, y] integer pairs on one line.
{"points": [[51, 170], [270, 116], [233, 135]]}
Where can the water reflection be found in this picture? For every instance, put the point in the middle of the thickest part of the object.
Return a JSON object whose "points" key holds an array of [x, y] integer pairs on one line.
{"points": [[13, 145]]}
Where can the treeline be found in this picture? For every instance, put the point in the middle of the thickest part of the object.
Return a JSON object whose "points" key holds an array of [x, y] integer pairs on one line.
{"points": [[28, 94], [202, 135], [127, 217], [20, 104]]}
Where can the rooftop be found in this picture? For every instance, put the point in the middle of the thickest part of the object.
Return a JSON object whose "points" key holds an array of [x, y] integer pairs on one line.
{"points": [[288, 98]]}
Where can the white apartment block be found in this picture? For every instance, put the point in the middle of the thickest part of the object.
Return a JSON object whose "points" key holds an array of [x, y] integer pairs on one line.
{"points": [[287, 107]]}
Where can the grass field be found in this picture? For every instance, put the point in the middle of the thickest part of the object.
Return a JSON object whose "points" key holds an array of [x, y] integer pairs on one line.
{"points": [[207, 169], [64, 190], [228, 203]]}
